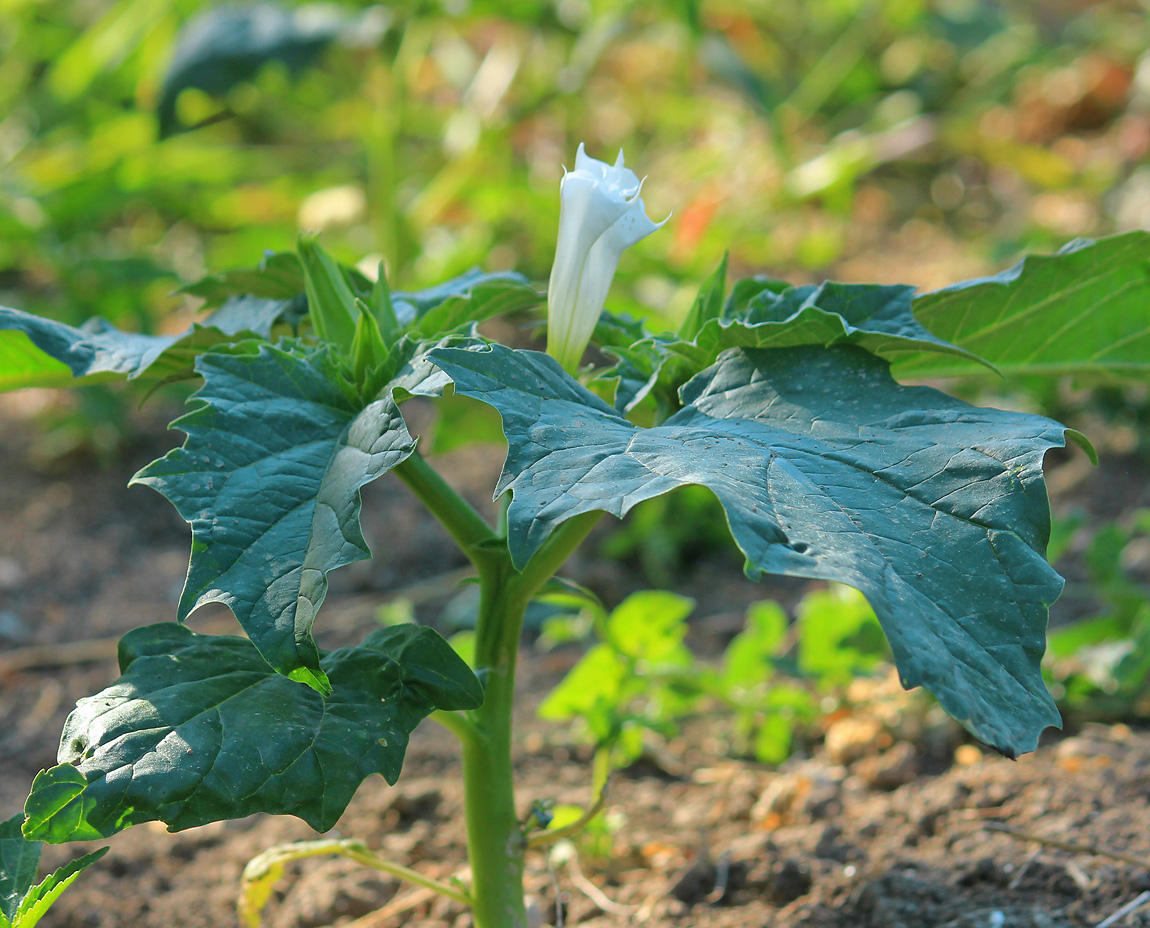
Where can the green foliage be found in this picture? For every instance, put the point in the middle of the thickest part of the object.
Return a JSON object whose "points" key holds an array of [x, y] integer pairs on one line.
{"points": [[435, 146], [222, 48], [23, 902], [765, 313], [922, 502], [1081, 311], [36, 352], [632, 679], [1099, 665], [639, 677], [199, 729], [840, 636]]}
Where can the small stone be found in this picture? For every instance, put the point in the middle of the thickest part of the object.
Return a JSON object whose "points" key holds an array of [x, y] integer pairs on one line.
{"points": [[850, 739]]}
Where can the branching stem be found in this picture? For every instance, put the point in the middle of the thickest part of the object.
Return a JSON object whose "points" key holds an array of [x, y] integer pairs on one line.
{"points": [[463, 523]]}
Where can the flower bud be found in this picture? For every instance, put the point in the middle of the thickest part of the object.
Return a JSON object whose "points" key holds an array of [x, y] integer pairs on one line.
{"points": [[600, 215]]}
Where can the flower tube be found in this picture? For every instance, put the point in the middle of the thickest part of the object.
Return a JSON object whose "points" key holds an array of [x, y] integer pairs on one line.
{"points": [[600, 215]]}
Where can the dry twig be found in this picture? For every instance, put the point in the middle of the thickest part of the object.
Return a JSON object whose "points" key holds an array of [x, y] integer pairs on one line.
{"points": [[1068, 845]]}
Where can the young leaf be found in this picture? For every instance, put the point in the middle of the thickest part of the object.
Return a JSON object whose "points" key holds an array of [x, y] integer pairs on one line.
{"points": [[199, 729], [826, 468], [649, 625], [379, 301], [1084, 310], [19, 859], [708, 304], [484, 299], [368, 349], [269, 479], [330, 302], [23, 904]]}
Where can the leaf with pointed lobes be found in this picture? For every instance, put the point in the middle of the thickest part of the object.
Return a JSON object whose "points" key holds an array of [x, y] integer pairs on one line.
{"points": [[827, 468]]}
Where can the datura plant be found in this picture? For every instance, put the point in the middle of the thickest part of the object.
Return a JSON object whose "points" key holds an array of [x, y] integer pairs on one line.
{"points": [[781, 400]]}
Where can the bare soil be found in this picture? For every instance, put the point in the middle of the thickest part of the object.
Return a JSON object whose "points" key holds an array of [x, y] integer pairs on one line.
{"points": [[886, 822]]}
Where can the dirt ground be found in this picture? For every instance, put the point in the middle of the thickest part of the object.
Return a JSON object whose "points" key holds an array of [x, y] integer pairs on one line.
{"points": [[888, 822]]}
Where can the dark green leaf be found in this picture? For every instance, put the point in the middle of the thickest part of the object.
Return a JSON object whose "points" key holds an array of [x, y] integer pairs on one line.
{"points": [[38, 352], [766, 313], [225, 46], [1085, 310], [412, 306], [471, 298], [875, 317], [827, 468], [269, 479], [199, 729]]}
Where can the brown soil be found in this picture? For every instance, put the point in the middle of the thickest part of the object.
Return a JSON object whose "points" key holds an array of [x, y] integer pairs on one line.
{"points": [[884, 826]]}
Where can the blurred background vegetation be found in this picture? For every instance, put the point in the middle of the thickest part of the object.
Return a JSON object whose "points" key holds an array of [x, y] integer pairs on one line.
{"points": [[145, 143]]}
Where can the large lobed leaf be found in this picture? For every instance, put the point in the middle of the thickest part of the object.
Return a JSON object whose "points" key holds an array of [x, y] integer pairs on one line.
{"points": [[199, 728], [934, 509], [1084, 310], [269, 479], [38, 352]]}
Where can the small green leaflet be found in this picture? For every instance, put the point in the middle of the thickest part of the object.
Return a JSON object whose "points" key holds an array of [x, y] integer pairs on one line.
{"points": [[199, 729], [37, 352], [826, 468], [1084, 310], [23, 902]]}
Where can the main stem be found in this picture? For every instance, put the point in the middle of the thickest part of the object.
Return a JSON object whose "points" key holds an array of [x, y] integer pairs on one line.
{"points": [[496, 842]]}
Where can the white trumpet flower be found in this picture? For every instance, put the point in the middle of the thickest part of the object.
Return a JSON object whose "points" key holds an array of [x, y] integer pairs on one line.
{"points": [[600, 215]]}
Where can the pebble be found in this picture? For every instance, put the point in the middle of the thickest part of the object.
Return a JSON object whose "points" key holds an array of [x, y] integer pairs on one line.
{"points": [[851, 738]]}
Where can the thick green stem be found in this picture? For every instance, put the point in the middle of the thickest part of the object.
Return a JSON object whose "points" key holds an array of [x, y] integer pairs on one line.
{"points": [[496, 840]]}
